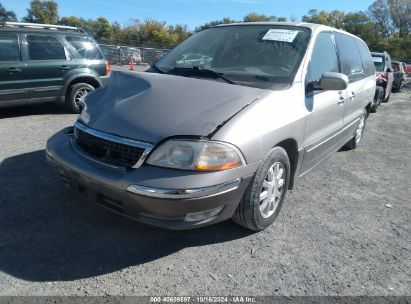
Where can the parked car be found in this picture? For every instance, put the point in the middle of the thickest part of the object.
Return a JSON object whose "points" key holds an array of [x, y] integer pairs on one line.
{"points": [[43, 63], [408, 67], [404, 67], [399, 75], [185, 147], [385, 76]]}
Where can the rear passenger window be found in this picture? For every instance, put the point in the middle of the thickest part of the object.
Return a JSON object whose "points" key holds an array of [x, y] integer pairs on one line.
{"points": [[367, 61], [350, 59], [45, 48], [9, 47], [85, 47], [324, 57]]}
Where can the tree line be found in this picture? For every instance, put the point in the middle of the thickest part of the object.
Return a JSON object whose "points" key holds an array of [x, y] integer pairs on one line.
{"points": [[385, 26]]}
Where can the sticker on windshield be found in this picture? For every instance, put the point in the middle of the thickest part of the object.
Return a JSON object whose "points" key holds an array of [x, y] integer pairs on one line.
{"points": [[377, 59], [280, 35]]}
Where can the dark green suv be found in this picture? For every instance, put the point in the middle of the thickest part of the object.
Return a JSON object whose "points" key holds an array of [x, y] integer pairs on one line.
{"points": [[43, 63]]}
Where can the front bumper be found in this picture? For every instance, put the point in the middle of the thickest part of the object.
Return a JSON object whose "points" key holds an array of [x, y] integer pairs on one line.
{"points": [[156, 196]]}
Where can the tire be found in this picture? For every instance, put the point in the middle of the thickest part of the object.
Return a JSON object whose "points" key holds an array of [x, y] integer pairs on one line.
{"points": [[379, 95], [359, 133], [76, 94], [248, 213], [388, 98]]}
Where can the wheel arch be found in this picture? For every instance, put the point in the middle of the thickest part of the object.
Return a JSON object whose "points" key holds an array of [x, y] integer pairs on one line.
{"points": [[89, 79], [291, 147]]}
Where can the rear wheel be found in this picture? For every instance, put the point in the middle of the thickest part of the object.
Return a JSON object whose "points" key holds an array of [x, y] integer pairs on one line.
{"points": [[76, 95], [359, 132], [265, 194], [388, 97]]}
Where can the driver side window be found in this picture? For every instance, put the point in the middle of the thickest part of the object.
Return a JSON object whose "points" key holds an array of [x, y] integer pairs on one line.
{"points": [[323, 58]]}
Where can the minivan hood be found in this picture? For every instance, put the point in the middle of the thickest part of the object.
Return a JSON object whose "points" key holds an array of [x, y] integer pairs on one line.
{"points": [[150, 107]]}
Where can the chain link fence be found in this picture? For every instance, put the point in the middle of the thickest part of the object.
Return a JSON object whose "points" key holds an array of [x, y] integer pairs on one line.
{"points": [[121, 55]]}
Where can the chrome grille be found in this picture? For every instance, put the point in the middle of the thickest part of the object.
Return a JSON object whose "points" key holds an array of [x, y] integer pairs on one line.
{"points": [[109, 149]]}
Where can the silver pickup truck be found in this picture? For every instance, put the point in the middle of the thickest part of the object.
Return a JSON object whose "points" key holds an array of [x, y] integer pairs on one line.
{"points": [[184, 146]]}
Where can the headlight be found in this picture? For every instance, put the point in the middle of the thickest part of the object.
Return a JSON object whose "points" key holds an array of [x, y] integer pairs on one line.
{"points": [[199, 155]]}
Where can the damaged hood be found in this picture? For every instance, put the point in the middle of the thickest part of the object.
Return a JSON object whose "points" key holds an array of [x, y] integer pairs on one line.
{"points": [[150, 107]]}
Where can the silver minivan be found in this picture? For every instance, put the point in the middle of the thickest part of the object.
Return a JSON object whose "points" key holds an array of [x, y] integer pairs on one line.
{"points": [[184, 146]]}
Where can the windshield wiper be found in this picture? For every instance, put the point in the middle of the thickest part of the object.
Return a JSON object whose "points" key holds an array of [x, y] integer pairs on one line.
{"points": [[217, 74], [200, 71]]}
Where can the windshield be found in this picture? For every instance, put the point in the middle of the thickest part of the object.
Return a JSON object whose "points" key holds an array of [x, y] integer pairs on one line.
{"points": [[252, 55], [378, 63]]}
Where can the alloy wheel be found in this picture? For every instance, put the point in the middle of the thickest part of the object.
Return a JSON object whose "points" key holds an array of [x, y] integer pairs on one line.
{"points": [[81, 95], [272, 189]]}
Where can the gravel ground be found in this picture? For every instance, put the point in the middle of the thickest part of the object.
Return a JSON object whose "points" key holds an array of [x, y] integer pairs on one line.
{"points": [[344, 229]]}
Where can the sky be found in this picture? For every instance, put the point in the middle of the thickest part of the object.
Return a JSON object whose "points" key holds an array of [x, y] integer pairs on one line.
{"points": [[190, 12]]}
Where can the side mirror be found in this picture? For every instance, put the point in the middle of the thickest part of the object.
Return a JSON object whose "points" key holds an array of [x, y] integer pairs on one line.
{"points": [[333, 81]]}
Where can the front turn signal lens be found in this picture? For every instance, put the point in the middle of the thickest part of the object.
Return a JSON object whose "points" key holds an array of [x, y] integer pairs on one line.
{"points": [[216, 157]]}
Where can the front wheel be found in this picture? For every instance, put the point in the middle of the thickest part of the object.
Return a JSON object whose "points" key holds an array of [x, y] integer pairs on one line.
{"points": [[76, 95], [265, 194]]}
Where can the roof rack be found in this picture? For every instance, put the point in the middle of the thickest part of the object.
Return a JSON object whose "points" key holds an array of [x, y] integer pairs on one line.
{"points": [[43, 26]]}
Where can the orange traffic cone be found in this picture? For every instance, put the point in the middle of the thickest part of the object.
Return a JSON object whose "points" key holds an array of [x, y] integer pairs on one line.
{"points": [[131, 64]]}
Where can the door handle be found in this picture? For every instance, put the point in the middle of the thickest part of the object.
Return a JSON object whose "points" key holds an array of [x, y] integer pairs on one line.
{"points": [[64, 68], [352, 96], [13, 70], [341, 100]]}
